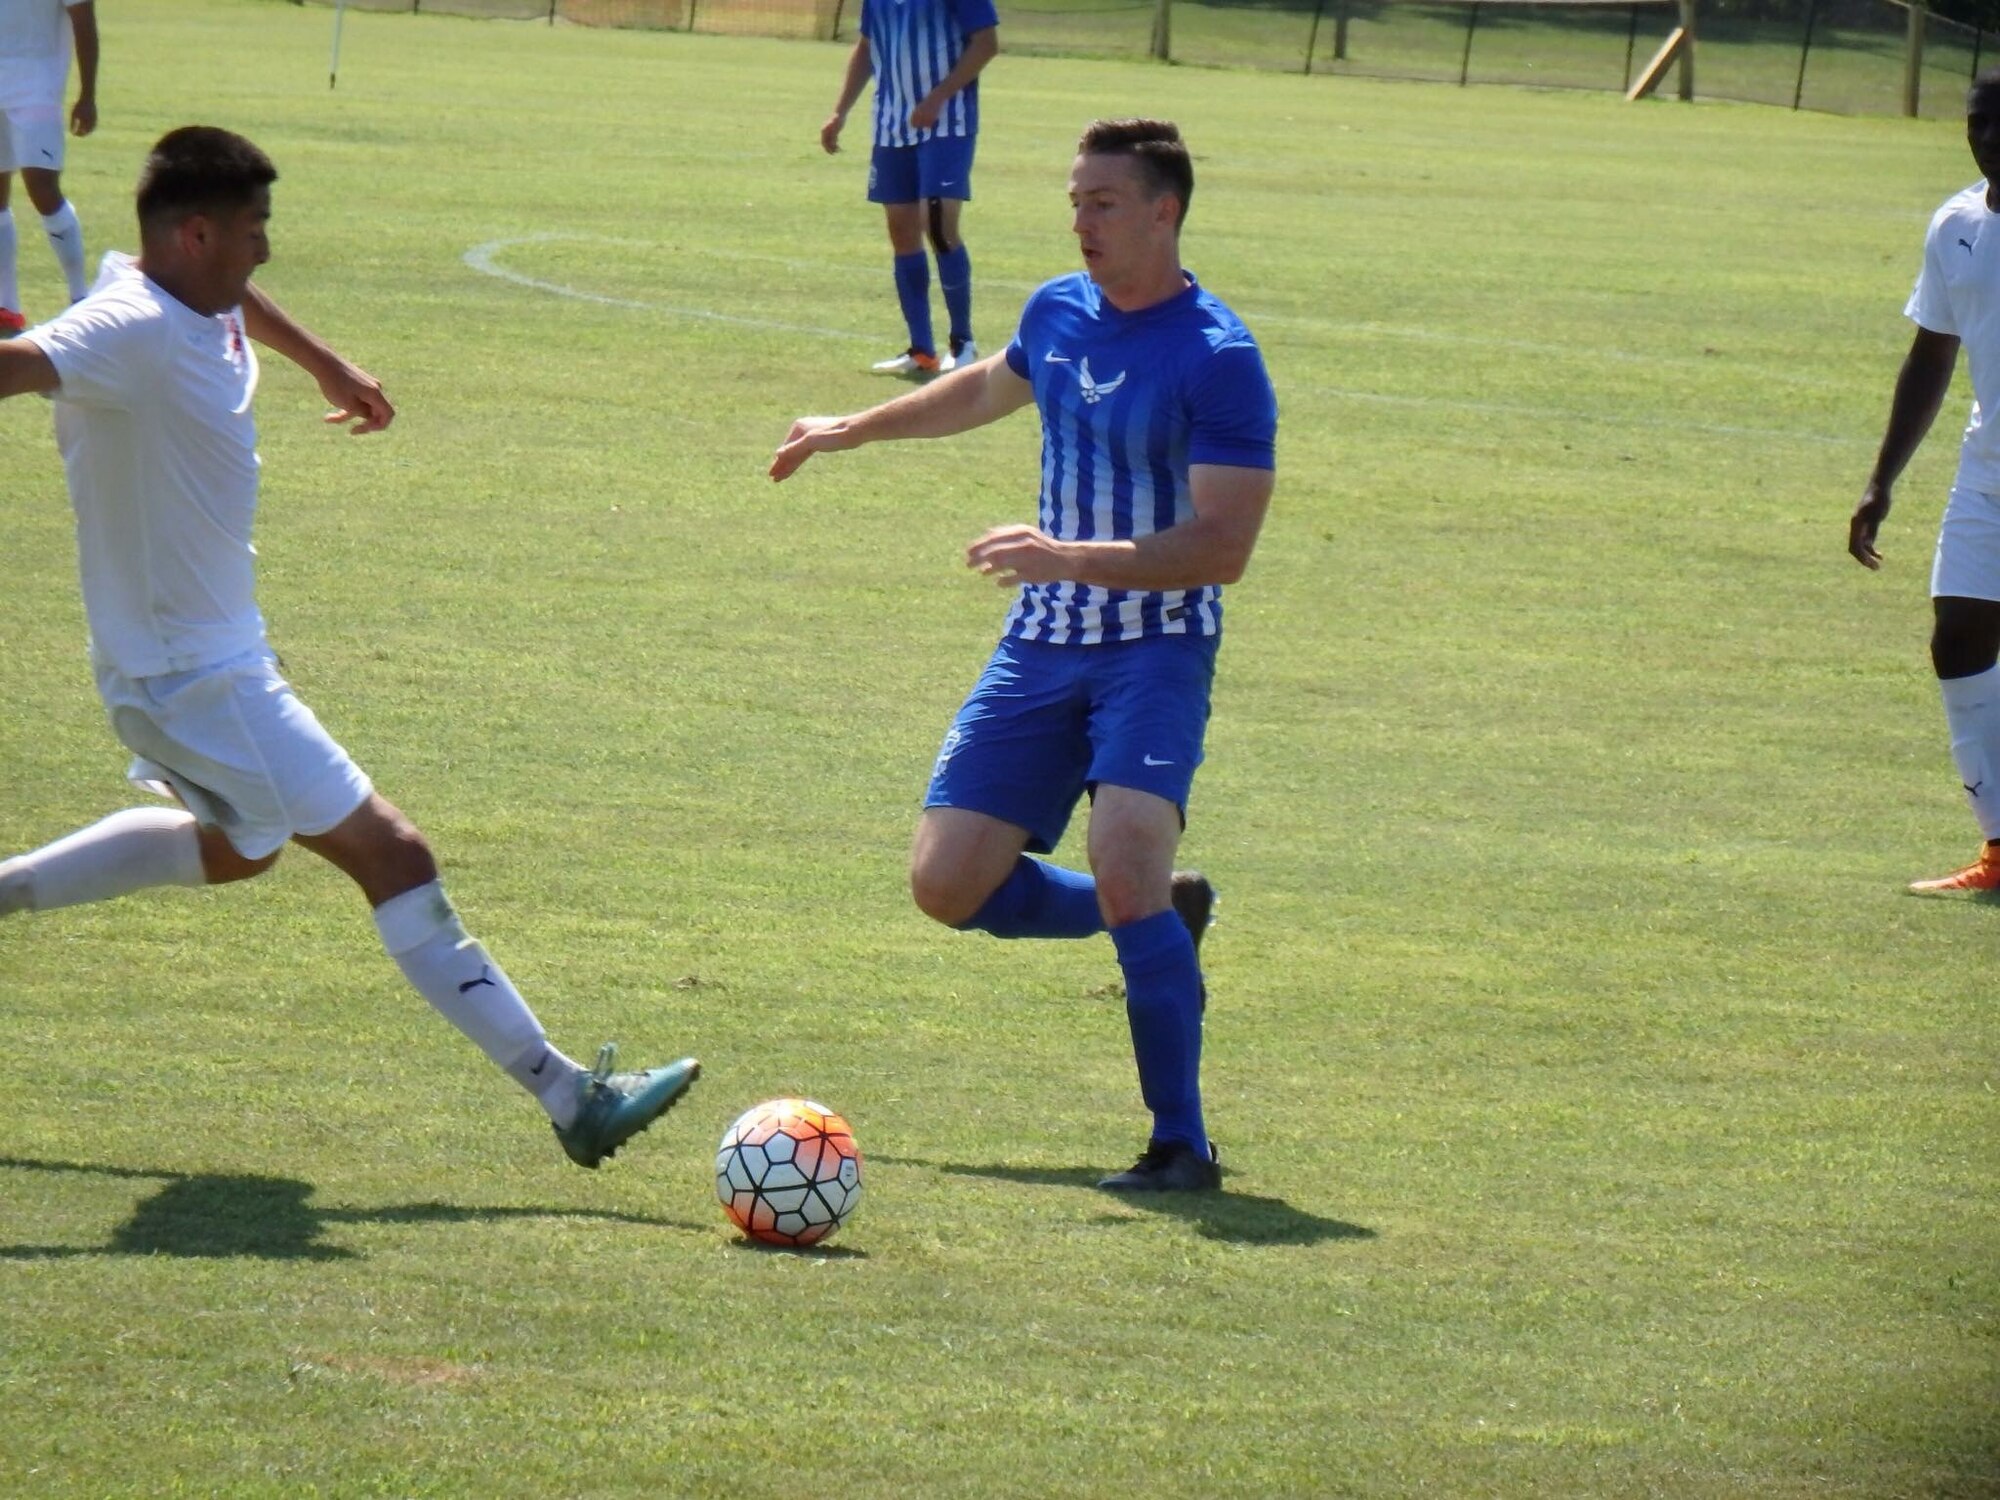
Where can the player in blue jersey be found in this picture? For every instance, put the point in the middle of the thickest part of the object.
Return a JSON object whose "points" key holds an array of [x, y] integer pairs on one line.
{"points": [[1158, 427], [926, 57]]}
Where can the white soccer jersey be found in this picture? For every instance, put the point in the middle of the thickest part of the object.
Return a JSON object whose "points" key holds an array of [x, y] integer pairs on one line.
{"points": [[34, 52], [154, 423], [1958, 292]]}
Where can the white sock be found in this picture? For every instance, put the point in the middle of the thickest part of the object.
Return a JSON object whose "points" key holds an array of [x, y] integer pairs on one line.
{"points": [[452, 971], [10, 276], [128, 851], [66, 239], [1972, 709]]}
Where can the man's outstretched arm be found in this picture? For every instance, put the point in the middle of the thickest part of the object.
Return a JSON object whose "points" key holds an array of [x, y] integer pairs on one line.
{"points": [[961, 401], [25, 370], [354, 394]]}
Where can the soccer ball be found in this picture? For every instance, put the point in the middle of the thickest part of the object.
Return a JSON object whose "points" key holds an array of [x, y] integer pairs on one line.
{"points": [[788, 1172]]}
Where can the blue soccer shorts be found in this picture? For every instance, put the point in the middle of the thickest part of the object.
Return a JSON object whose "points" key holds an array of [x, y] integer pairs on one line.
{"points": [[940, 167], [1045, 724]]}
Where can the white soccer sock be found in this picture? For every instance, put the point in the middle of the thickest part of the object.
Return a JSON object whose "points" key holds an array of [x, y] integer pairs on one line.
{"points": [[452, 971], [128, 851], [1972, 709], [10, 276], [66, 239]]}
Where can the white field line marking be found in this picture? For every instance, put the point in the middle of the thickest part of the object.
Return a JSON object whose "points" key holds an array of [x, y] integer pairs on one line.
{"points": [[485, 258]]}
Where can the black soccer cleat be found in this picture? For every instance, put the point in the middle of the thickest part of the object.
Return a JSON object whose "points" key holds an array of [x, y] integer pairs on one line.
{"points": [[1169, 1167], [1194, 903]]}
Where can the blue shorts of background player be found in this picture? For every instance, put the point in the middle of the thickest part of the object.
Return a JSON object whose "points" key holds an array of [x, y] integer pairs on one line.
{"points": [[940, 167], [1045, 724]]}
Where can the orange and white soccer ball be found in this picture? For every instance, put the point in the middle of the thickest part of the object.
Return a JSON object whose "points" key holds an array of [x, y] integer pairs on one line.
{"points": [[788, 1172]]}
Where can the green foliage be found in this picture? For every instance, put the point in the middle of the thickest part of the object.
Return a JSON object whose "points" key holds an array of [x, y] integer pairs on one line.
{"points": [[1601, 1118]]}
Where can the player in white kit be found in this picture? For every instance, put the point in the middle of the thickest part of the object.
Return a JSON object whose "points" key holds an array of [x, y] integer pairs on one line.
{"points": [[35, 38], [1957, 301], [153, 376]]}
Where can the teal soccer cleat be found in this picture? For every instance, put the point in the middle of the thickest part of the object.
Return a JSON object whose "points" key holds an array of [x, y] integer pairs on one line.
{"points": [[617, 1106]]}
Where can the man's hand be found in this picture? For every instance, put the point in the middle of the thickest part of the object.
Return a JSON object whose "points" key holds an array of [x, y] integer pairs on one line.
{"points": [[1866, 522], [829, 133], [356, 397], [927, 111], [83, 115], [809, 435], [1013, 555]]}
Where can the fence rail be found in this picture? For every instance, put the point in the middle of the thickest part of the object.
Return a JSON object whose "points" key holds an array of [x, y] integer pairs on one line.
{"points": [[1839, 56]]}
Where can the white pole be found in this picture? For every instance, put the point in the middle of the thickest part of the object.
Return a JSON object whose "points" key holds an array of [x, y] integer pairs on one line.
{"points": [[333, 66]]}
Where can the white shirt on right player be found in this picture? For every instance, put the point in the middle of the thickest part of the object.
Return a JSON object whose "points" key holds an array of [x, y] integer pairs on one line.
{"points": [[154, 422], [1958, 292], [34, 53]]}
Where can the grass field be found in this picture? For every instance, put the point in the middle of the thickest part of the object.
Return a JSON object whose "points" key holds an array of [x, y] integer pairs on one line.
{"points": [[1601, 1118]]}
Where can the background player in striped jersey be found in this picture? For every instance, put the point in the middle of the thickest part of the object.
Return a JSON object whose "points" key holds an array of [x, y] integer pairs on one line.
{"points": [[34, 69], [1957, 299], [1158, 428], [926, 57]]}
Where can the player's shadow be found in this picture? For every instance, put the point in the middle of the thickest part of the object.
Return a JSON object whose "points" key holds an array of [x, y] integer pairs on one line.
{"points": [[1240, 1218], [209, 1215]]}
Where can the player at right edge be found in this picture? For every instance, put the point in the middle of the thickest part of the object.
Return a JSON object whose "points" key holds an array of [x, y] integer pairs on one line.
{"points": [[1957, 300]]}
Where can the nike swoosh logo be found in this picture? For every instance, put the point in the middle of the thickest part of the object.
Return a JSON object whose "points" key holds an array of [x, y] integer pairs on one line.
{"points": [[1148, 760], [1055, 359]]}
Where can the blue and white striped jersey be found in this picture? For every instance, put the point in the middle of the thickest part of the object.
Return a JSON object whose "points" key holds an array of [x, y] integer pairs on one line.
{"points": [[1128, 402], [912, 45]]}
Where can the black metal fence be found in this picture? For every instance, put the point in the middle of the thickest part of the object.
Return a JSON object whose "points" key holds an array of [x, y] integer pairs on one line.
{"points": [[1842, 56]]}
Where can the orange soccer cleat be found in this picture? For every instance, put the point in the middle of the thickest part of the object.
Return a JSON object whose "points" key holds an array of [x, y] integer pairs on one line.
{"points": [[909, 362], [1983, 874]]}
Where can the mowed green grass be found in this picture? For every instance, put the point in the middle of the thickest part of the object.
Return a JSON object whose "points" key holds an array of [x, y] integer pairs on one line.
{"points": [[1600, 1117]]}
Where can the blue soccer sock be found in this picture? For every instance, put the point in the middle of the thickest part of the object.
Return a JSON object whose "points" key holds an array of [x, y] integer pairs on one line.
{"points": [[913, 290], [1163, 1007], [955, 279], [1041, 901]]}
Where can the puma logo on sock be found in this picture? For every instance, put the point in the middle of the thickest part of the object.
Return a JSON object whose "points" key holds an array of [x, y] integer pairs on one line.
{"points": [[485, 978]]}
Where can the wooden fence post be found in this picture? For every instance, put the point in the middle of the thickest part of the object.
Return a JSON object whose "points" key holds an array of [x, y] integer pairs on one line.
{"points": [[1163, 46], [1687, 48], [1913, 60]]}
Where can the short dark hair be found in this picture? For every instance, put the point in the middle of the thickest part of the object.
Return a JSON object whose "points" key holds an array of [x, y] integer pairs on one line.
{"points": [[199, 169], [1157, 147]]}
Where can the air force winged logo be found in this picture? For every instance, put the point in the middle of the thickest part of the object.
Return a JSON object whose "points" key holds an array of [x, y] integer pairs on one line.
{"points": [[1095, 391]]}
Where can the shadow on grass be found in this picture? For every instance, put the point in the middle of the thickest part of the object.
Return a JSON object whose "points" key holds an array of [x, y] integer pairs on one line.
{"points": [[1240, 1218], [802, 1252], [203, 1215]]}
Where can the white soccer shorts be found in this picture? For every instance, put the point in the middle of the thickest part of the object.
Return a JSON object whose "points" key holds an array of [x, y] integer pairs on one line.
{"points": [[1967, 565], [31, 138], [235, 744]]}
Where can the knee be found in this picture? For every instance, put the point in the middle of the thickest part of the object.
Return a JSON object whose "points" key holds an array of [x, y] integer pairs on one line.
{"points": [[1123, 897], [942, 234], [222, 864], [1960, 653], [407, 860], [941, 895], [44, 191]]}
